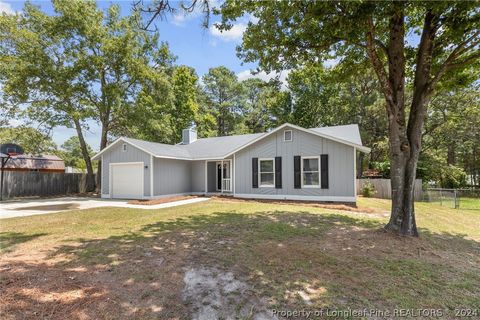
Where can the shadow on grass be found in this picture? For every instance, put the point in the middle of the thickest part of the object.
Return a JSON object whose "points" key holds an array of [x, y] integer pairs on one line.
{"points": [[10, 239], [291, 260]]}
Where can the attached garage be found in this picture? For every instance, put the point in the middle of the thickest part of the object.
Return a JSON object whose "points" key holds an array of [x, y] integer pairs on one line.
{"points": [[126, 180]]}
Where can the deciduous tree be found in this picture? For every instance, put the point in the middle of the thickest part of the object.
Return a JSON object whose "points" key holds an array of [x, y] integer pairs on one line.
{"points": [[287, 34]]}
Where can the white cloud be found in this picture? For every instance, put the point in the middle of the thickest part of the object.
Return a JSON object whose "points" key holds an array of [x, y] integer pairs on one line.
{"points": [[6, 8], [247, 74], [180, 17], [234, 34]]}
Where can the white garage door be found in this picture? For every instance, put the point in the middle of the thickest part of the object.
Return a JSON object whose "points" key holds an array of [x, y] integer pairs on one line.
{"points": [[127, 180]]}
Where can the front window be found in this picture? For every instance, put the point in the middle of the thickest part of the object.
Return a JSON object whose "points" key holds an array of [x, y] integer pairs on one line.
{"points": [[267, 172], [310, 172]]}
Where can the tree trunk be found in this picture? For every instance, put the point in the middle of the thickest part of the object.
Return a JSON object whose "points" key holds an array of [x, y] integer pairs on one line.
{"points": [[86, 157], [360, 158], [103, 145], [451, 154]]}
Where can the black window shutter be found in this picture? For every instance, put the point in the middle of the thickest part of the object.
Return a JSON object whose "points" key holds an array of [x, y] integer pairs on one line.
{"points": [[324, 170], [254, 172], [296, 173], [278, 172]]}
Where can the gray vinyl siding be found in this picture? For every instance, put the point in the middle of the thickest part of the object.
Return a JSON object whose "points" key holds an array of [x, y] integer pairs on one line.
{"points": [[171, 176], [341, 162], [132, 154], [197, 171]]}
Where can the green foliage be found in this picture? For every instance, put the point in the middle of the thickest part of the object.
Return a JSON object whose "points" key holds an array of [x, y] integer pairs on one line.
{"points": [[71, 153], [452, 132], [257, 115], [383, 168], [184, 82], [452, 177], [313, 89], [30, 139], [368, 190], [224, 95], [298, 32]]}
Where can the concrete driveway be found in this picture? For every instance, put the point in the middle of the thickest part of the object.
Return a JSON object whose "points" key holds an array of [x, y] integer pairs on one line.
{"points": [[32, 207]]}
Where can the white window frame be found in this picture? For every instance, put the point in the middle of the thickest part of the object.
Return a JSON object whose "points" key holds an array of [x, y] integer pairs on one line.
{"points": [[124, 147], [291, 135], [302, 172], [260, 173]]}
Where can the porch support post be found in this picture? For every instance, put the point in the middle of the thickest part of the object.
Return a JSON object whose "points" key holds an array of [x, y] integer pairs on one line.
{"points": [[221, 175], [232, 175], [206, 177], [151, 176]]}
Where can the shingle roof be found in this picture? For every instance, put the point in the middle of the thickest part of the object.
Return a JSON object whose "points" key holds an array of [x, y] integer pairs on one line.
{"points": [[28, 161], [219, 147], [160, 149], [349, 132]]}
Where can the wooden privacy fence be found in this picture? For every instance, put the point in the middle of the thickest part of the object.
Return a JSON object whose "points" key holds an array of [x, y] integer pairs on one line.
{"points": [[383, 189], [42, 184]]}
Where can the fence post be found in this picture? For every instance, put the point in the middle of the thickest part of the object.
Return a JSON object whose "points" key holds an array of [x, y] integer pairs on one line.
{"points": [[457, 201]]}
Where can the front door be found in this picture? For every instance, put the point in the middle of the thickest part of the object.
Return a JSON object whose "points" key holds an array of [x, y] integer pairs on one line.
{"points": [[223, 176]]}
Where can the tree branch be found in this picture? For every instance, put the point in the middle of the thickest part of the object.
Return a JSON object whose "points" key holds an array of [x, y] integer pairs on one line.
{"points": [[378, 66], [450, 62]]}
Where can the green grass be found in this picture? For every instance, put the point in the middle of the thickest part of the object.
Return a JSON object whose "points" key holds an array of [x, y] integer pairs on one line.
{"points": [[435, 218], [340, 259], [470, 203]]}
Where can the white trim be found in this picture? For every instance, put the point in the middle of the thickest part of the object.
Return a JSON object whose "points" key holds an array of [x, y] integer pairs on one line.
{"points": [[355, 172], [308, 186], [221, 176], [295, 197], [260, 185], [151, 176], [206, 176], [101, 176], [291, 135], [233, 174], [125, 163]]}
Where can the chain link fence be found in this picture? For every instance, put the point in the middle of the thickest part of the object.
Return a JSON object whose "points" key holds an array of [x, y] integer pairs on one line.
{"points": [[467, 199]]}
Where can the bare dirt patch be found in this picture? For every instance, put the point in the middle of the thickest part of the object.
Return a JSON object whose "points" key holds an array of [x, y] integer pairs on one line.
{"points": [[52, 207], [314, 204], [214, 294], [161, 200]]}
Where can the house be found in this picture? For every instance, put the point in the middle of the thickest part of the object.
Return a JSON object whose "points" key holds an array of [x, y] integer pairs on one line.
{"points": [[288, 162]]}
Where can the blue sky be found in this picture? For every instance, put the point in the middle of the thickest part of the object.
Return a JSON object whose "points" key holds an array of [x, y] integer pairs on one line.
{"points": [[193, 45]]}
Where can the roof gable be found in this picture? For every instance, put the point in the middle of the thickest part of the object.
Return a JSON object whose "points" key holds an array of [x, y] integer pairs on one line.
{"points": [[221, 147]]}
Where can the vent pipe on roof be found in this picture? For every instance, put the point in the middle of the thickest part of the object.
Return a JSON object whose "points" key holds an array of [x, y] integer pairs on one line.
{"points": [[189, 135]]}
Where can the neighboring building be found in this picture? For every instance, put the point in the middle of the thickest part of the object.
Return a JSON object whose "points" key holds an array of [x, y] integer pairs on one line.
{"points": [[289, 162], [28, 162], [18, 161]]}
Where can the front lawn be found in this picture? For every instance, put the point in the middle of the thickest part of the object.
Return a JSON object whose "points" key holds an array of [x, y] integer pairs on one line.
{"points": [[225, 258]]}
